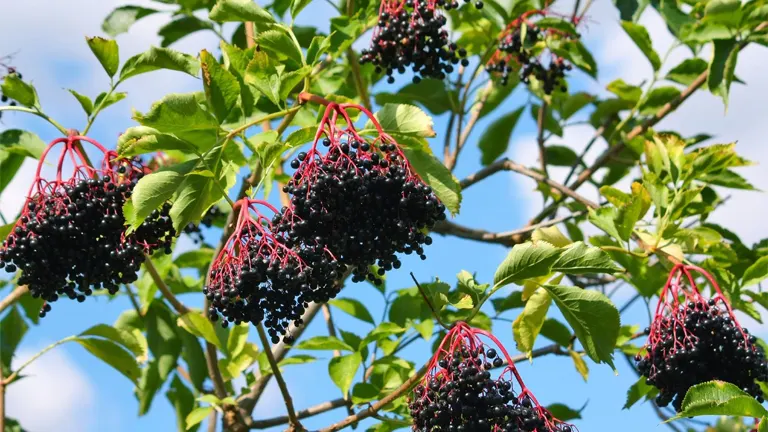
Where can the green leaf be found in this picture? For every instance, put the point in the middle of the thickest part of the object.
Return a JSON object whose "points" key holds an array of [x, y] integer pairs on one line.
{"points": [[496, 138], [297, 359], [18, 90], [403, 119], [121, 19], [279, 43], [657, 98], [560, 155], [147, 387], [593, 317], [437, 176], [329, 343], [577, 53], [159, 58], [343, 369], [686, 72], [193, 356], [550, 122], [317, 47], [106, 51], [239, 11], [162, 338], [289, 81], [196, 258], [496, 94], [262, 75], [180, 28], [140, 140], [556, 331], [111, 99], [528, 324], [642, 39], [183, 402], [22, 143], [152, 191], [181, 115], [431, 93], [12, 330], [11, 163], [722, 67], [85, 102], [297, 6], [558, 24], [637, 391], [580, 258], [301, 136], [564, 412], [197, 415], [221, 87], [344, 30], [727, 12], [719, 398], [756, 273], [238, 336], [604, 218], [579, 364], [197, 324], [525, 261], [625, 91], [113, 355], [122, 337], [383, 331], [353, 307]]}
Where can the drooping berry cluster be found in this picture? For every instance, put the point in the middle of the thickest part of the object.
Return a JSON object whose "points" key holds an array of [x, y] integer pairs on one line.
{"points": [[361, 199], [693, 340], [262, 274], [412, 34], [459, 392], [70, 238], [518, 52]]}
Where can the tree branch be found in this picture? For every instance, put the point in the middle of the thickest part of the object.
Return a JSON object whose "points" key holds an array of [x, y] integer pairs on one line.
{"points": [[509, 238], [279, 377], [540, 138], [473, 117], [178, 306], [309, 412], [12, 298]]}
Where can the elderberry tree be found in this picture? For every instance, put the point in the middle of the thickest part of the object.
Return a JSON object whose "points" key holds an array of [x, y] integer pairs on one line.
{"points": [[330, 159]]}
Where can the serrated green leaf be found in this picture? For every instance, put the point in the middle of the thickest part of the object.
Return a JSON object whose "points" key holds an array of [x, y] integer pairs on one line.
{"points": [[262, 74], [604, 218], [637, 391], [85, 102], [756, 272], [22, 143], [624, 91], [140, 140], [113, 355], [279, 43], [721, 68], [580, 258], [182, 116], [525, 261], [687, 71], [289, 81], [106, 51], [437, 176], [196, 258], [122, 337], [198, 325], [593, 318], [402, 119], [153, 190], [642, 39], [238, 337], [297, 6], [159, 58], [528, 324], [556, 331], [343, 369], [121, 19], [719, 398], [239, 11], [318, 46], [353, 307], [221, 87], [16, 89], [180, 28], [497, 135], [551, 235], [579, 364], [657, 98], [301, 136], [197, 415], [329, 343]]}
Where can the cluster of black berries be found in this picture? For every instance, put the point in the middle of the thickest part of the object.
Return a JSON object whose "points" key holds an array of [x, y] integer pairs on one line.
{"points": [[411, 34], [459, 394], [514, 55], [362, 203], [71, 239], [700, 342], [265, 274], [194, 230]]}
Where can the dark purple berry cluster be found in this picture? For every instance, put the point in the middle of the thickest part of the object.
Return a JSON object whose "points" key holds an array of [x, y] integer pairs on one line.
{"points": [[195, 231]]}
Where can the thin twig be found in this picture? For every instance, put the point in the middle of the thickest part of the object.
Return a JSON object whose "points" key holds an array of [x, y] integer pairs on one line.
{"points": [[429, 303], [279, 378], [540, 138], [134, 302], [309, 412], [467, 130], [212, 420], [13, 297], [178, 306], [509, 238]]}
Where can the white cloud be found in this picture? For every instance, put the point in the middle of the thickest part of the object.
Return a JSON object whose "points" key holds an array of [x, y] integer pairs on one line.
{"points": [[55, 395]]}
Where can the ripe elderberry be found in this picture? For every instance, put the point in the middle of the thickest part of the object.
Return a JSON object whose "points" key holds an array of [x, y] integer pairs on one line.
{"points": [[262, 275], [411, 34], [70, 238], [518, 53], [195, 232], [459, 393], [693, 340], [361, 199]]}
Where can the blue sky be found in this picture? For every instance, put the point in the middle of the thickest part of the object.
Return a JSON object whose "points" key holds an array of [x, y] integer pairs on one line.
{"points": [[69, 390]]}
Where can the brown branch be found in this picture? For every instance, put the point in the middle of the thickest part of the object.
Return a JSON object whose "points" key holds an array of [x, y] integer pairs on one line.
{"points": [[212, 420], [473, 117], [540, 138], [309, 412], [12, 298], [294, 422], [508, 238], [178, 306], [331, 328]]}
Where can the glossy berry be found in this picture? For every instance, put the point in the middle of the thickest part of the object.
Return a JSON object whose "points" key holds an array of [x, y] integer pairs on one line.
{"points": [[70, 239], [365, 205], [411, 35], [211, 216], [698, 340], [461, 393]]}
